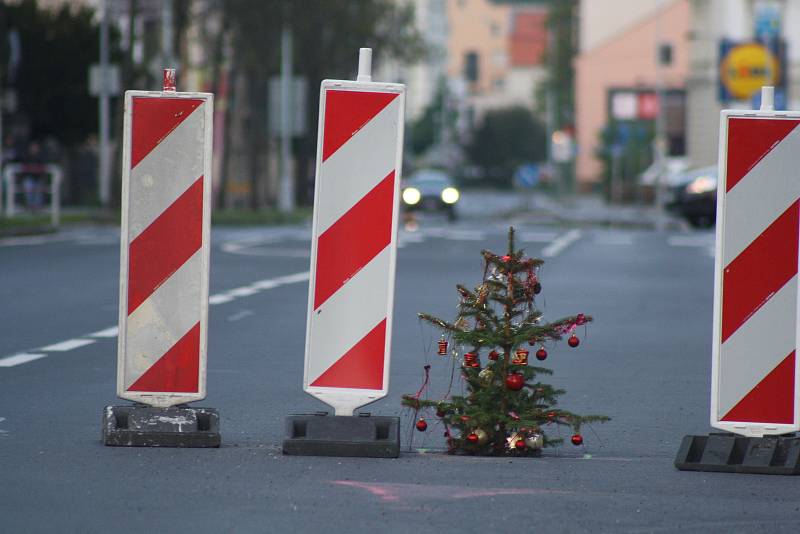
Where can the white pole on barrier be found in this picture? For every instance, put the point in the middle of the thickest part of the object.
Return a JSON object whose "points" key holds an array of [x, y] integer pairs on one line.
{"points": [[353, 256], [364, 65], [767, 98]]}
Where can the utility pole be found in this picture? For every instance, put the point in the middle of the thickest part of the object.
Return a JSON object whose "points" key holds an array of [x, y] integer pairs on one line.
{"points": [[659, 143], [104, 167], [167, 37], [286, 193]]}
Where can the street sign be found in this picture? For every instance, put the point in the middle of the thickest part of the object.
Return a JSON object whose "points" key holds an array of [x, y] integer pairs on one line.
{"points": [[166, 205], [745, 67], [297, 105], [113, 85], [527, 175], [354, 244], [754, 366]]}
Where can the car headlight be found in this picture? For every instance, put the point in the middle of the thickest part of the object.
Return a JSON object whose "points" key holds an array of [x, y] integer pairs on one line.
{"points": [[450, 195], [700, 185], [411, 195]]}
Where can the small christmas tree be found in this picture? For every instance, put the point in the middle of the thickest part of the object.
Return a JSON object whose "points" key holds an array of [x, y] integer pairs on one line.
{"points": [[506, 409]]}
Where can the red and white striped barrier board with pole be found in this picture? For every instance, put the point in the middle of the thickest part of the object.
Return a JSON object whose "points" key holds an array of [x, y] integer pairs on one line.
{"points": [[164, 266], [754, 367], [359, 154]]}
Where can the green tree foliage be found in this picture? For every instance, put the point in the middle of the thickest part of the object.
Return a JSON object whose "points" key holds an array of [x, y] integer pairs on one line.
{"points": [[500, 315], [505, 139], [58, 45]]}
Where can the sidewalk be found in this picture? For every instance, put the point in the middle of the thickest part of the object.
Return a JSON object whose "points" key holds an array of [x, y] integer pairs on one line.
{"points": [[582, 210]]}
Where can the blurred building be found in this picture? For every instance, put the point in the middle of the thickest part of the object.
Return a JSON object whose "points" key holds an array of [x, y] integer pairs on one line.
{"points": [[715, 23], [495, 53], [628, 50]]}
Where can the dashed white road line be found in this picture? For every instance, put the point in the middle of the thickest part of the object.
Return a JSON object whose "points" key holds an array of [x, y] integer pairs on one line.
{"points": [[240, 315], [561, 242], [536, 237], [64, 346], [112, 331], [109, 332], [605, 239], [698, 241]]}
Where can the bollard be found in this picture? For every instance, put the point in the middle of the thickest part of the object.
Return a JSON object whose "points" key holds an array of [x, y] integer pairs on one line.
{"points": [[353, 256], [754, 390], [164, 271]]}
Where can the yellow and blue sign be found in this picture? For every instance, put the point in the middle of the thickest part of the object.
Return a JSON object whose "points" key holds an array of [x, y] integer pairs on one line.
{"points": [[745, 67]]}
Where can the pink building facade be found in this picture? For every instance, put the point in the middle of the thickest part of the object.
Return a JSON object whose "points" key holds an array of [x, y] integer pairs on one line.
{"points": [[625, 60]]}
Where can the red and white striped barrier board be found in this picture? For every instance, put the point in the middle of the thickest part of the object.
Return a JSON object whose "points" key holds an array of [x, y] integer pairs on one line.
{"points": [[354, 244], [166, 188], [754, 366]]}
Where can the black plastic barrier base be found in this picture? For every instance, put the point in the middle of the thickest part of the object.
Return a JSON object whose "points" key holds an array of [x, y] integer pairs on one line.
{"points": [[729, 453], [140, 425], [331, 435]]}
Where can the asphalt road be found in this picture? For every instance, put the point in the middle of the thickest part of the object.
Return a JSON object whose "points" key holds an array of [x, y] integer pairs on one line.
{"points": [[645, 362]]}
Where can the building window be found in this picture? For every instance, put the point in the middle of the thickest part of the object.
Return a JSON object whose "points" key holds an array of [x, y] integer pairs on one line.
{"points": [[471, 66]]}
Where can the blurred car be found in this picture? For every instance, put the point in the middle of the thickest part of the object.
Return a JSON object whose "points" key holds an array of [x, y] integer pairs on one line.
{"points": [[695, 196], [430, 190]]}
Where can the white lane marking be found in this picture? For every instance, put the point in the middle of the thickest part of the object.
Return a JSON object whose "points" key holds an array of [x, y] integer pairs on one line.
{"points": [[456, 234], [240, 315], [561, 242], [64, 346], [111, 331], [699, 241], [613, 239], [219, 299], [537, 237], [17, 359], [245, 291]]}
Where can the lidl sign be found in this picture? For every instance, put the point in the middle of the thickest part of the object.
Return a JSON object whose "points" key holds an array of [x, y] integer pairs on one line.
{"points": [[745, 67]]}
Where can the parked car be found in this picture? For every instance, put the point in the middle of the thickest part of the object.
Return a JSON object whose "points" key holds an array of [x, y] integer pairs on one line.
{"points": [[695, 196], [430, 190]]}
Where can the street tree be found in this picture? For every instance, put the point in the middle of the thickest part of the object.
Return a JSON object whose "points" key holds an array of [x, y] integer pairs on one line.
{"points": [[505, 139]]}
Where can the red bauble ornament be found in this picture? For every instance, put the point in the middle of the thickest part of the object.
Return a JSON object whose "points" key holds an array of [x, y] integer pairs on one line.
{"points": [[537, 288], [541, 354], [506, 258], [473, 438], [520, 444], [580, 319], [422, 426], [494, 355], [573, 341], [442, 347], [551, 415], [576, 439], [440, 412], [515, 381]]}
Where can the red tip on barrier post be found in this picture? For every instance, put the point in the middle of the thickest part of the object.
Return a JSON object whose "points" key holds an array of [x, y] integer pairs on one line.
{"points": [[169, 80]]}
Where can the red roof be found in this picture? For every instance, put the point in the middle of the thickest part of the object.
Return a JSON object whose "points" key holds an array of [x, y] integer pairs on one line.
{"points": [[528, 38]]}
